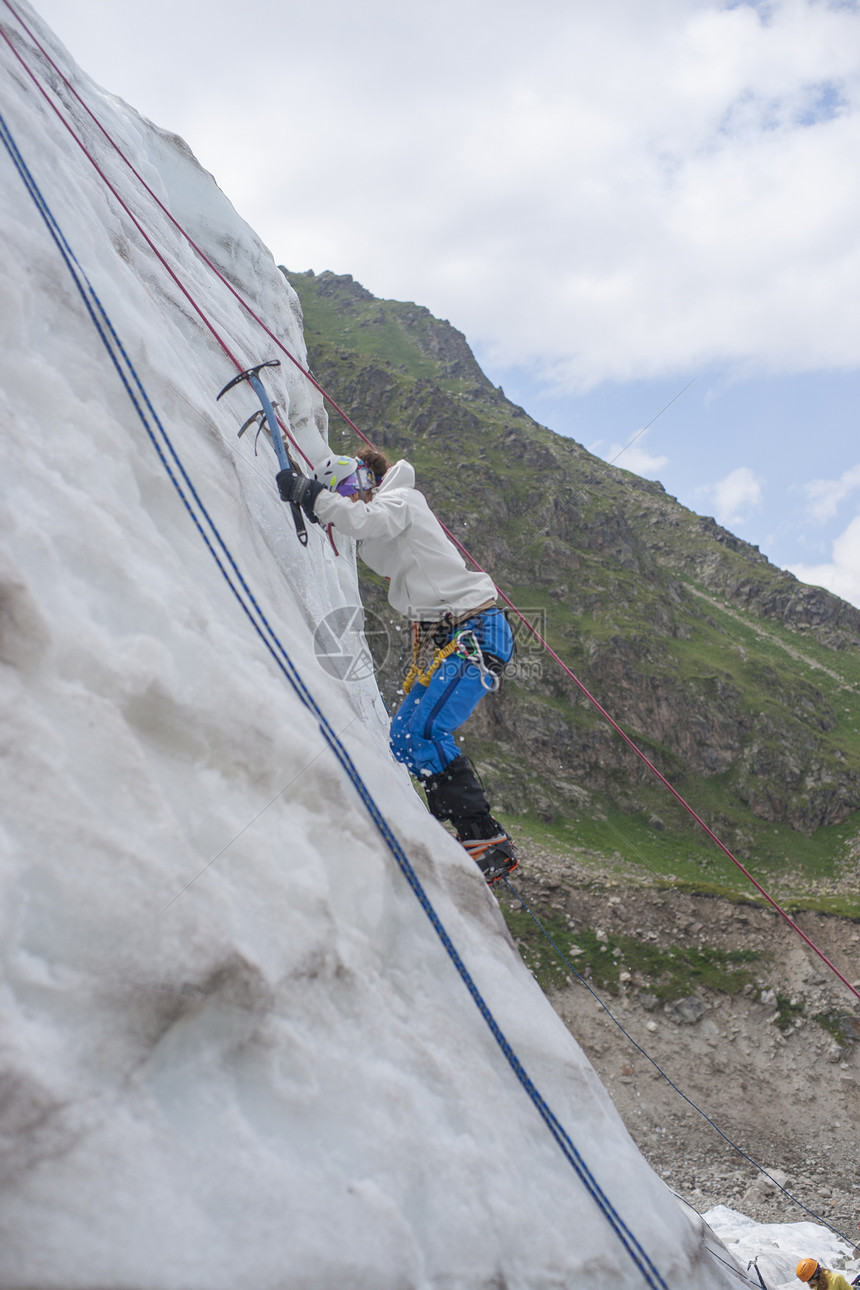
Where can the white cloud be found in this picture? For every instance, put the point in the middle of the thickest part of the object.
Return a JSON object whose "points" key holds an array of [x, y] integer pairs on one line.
{"points": [[635, 458], [842, 574], [826, 495], [733, 497], [600, 192]]}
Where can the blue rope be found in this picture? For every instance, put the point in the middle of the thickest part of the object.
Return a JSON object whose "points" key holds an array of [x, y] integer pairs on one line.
{"points": [[518, 896], [248, 603]]}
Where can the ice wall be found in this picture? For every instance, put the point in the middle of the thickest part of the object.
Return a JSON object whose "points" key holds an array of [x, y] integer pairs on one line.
{"points": [[232, 1049]]}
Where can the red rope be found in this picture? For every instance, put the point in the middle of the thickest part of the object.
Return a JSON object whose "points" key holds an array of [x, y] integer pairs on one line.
{"points": [[239, 297], [348, 420], [662, 778], [150, 243]]}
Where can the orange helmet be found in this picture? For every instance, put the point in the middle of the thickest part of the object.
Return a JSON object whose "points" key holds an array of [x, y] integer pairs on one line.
{"points": [[807, 1269]]}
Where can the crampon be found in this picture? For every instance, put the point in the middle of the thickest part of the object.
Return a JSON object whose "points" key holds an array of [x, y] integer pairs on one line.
{"points": [[495, 856]]}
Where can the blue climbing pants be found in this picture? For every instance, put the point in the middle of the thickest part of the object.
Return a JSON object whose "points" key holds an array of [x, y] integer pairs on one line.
{"points": [[422, 728]]}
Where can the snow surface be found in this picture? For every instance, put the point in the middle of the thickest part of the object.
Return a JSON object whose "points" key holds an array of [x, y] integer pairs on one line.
{"points": [[779, 1247], [233, 1050]]}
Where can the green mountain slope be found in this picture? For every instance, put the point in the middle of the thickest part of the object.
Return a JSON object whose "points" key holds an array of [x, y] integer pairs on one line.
{"points": [[741, 684]]}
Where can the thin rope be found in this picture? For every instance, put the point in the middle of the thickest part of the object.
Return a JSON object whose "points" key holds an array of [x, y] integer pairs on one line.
{"points": [[739, 1272], [582, 980], [498, 716], [530, 627], [163, 445], [647, 426]]}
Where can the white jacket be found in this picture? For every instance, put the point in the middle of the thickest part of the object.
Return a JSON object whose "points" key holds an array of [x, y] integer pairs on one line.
{"points": [[400, 538]]}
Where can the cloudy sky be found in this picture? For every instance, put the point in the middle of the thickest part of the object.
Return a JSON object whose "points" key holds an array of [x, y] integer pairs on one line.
{"points": [[616, 201]]}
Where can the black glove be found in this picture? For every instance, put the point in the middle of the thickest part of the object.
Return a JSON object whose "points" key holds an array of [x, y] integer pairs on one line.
{"points": [[299, 490]]}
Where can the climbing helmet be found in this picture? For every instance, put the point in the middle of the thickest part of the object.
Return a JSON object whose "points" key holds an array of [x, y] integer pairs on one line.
{"points": [[344, 475]]}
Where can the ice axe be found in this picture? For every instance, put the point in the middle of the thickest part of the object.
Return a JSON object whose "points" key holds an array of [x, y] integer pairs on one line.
{"points": [[251, 375]]}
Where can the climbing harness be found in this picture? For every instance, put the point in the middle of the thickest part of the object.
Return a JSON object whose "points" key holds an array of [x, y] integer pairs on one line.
{"points": [[249, 605], [470, 648], [464, 642], [422, 648]]}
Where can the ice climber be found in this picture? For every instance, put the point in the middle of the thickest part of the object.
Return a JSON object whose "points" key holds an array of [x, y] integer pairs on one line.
{"points": [[462, 639], [820, 1278]]}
